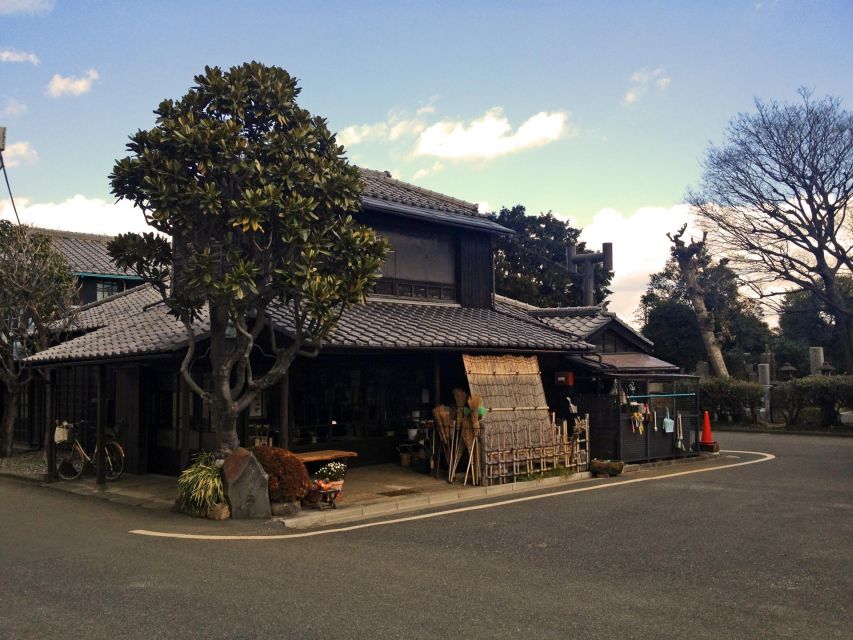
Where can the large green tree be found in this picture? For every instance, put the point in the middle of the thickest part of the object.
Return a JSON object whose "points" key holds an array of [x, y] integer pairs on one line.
{"points": [[257, 198], [531, 265], [805, 321], [776, 194], [37, 297]]}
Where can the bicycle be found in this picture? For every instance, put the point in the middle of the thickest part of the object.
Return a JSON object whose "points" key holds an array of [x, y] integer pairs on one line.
{"points": [[72, 459]]}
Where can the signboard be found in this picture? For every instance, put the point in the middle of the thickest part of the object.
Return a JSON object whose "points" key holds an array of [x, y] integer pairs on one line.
{"points": [[564, 378]]}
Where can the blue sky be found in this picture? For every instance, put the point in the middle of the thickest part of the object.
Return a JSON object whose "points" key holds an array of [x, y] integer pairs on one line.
{"points": [[598, 110]]}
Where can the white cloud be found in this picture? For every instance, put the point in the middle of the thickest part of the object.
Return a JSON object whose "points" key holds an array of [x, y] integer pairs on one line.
{"points": [[640, 248], [90, 215], [490, 135], [71, 85], [423, 173], [10, 55], [643, 80], [13, 108], [26, 6], [19, 153], [397, 126]]}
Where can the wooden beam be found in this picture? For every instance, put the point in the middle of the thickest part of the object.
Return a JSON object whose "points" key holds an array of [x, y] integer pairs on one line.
{"points": [[101, 395]]}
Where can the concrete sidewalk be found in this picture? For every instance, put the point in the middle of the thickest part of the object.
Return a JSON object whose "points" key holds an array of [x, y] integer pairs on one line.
{"points": [[372, 491]]}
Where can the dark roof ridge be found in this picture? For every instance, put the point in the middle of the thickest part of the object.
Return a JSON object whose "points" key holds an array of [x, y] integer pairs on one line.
{"points": [[572, 312], [385, 175], [80, 235]]}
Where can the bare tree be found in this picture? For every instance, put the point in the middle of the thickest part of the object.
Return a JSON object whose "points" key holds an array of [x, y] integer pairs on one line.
{"points": [[37, 297], [687, 256], [776, 194]]}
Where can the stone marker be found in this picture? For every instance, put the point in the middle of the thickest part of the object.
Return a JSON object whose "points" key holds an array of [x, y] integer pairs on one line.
{"points": [[246, 486], [764, 379], [815, 360]]}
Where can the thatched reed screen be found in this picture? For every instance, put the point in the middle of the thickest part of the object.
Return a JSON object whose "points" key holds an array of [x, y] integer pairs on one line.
{"points": [[518, 436]]}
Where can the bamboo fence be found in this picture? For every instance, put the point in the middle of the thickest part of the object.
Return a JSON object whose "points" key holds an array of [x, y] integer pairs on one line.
{"points": [[518, 435]]}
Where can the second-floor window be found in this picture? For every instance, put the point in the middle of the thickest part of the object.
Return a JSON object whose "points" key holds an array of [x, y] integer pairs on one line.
{"points": [[106, 289], [419, 265]]}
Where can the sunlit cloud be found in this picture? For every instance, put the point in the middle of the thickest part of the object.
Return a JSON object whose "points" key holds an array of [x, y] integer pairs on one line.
{"points": [[490, 136], [643, 81], [8, 7], [423, 173], [640, 248], [19, 153], [13, 108], [11, 55], [89, 215], [71, 85]]}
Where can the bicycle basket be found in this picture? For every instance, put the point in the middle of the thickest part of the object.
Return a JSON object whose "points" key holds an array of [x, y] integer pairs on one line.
{"points": [[63, 433]]}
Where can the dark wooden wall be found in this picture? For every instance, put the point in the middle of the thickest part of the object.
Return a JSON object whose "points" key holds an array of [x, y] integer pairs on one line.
{"points": [[475, 269]]}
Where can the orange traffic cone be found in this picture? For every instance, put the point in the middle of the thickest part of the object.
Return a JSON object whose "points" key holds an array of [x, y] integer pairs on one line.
{"points": [[706, 441]]}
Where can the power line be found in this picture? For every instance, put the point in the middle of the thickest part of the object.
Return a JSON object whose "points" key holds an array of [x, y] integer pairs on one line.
{"points": [[9, 188]]}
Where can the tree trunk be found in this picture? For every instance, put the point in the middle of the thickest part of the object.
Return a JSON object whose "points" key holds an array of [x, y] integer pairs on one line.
{"points": [[709, 338], [226, 428], [7, 422]]}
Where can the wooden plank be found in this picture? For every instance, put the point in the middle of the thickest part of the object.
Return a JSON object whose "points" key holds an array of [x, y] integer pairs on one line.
{"points": [[325, 454]]}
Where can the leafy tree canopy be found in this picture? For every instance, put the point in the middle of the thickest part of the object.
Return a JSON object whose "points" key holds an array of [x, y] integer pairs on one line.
{"points": [[531, 265], [257, 198]]}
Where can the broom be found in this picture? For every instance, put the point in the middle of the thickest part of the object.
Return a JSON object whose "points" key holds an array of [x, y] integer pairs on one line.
{"points": [[474, 404], [459, 396], [444, 427]]}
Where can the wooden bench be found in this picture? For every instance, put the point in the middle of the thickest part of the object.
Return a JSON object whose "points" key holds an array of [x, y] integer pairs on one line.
{"points": [[325, 455]]}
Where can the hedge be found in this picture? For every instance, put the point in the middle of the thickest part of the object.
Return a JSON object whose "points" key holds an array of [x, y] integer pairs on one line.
{"points": [[737, 398], [827, 393]]}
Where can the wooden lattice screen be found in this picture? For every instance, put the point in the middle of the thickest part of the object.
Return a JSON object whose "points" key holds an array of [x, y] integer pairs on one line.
{"points": [[518, 436]]}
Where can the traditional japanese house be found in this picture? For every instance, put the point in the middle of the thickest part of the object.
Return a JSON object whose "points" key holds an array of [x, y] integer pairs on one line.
{"points": [[386, 365]]}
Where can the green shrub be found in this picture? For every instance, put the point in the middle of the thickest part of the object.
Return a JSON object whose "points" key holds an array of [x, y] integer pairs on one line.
{"points": [[737, 398], [288, 477], [827, 393], [200, 484]]}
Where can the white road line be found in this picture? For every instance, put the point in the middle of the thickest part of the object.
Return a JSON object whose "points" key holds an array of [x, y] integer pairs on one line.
{"points": [[765, 457]]}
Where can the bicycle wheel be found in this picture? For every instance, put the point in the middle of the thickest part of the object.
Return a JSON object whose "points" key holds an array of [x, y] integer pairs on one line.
{"points": [[114, 460], [69, 462]]}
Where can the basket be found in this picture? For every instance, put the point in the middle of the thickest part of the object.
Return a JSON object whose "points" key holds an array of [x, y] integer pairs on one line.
{"points": [[63, 434]]}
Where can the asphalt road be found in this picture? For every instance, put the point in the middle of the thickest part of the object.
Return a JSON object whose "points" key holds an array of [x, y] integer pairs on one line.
{"points": [[759, 551]]}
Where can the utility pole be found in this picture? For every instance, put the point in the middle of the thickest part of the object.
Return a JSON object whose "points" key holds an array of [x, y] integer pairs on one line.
{"points": [[6, 175]]}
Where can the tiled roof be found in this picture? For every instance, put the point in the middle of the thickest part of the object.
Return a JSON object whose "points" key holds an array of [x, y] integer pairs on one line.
{"points": [[84, 252], [380, 185], [385, 194], [135, 323], [412, 325], [581, 322], [132, 323]]}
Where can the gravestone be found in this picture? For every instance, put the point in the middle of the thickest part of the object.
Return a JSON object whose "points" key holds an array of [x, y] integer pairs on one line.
{"points": [[764, 379], [246, 486], [815, 360]]}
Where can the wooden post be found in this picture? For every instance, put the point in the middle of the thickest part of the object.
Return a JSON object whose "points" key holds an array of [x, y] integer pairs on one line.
{"points": [[50, 427], [284, 411], [100, 462]]}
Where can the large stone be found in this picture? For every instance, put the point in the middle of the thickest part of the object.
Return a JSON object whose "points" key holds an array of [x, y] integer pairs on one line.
{"points": [[815, 360], [246, 486]]}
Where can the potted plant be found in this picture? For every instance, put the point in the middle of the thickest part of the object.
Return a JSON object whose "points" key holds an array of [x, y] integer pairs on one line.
{"points": [[333, 473]]}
